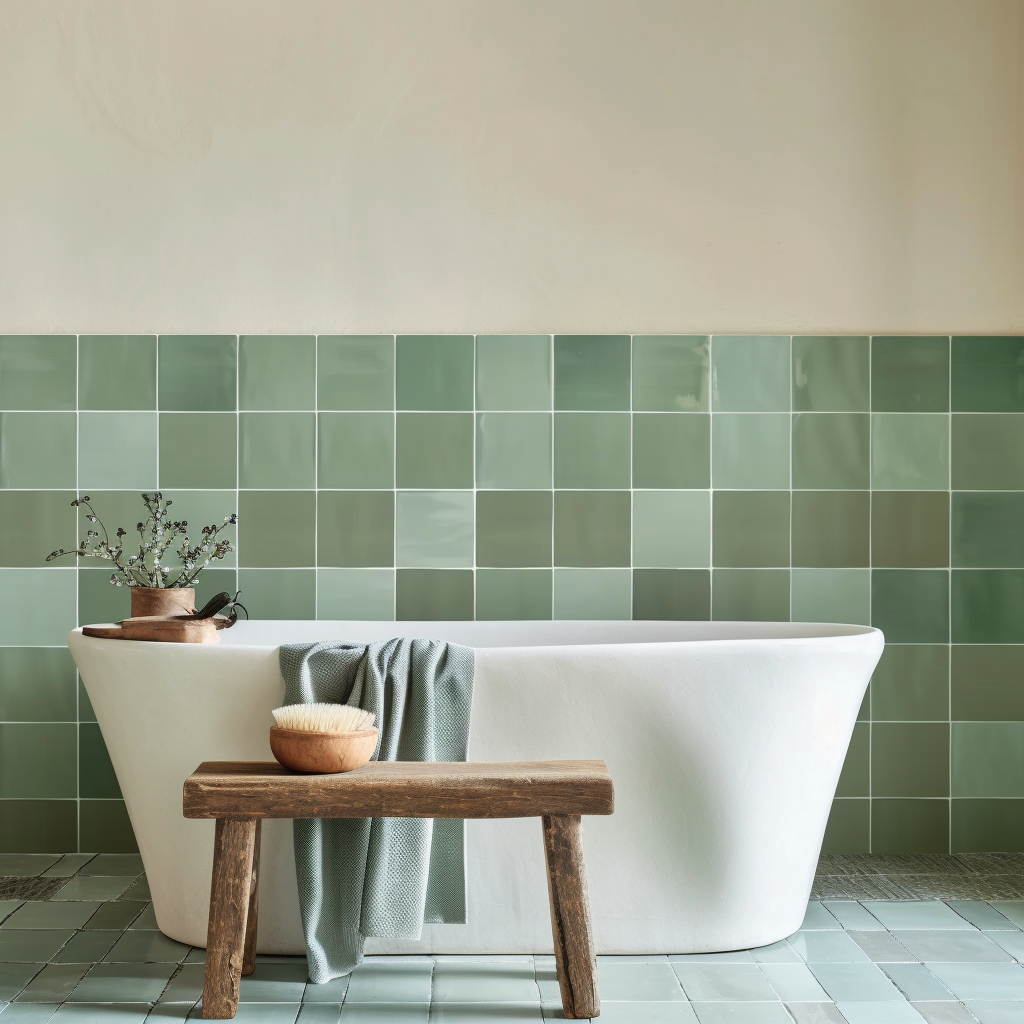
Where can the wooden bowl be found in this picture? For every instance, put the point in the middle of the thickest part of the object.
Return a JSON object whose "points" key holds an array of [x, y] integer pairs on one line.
{"points": [[322, 753]]}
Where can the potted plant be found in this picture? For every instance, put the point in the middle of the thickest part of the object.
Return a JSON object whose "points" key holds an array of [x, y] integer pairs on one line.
{"points": [[157, 589]]}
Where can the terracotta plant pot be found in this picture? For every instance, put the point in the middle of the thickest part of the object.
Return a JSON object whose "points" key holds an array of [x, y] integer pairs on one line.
{"points": [[156, 601], [322, 753]]}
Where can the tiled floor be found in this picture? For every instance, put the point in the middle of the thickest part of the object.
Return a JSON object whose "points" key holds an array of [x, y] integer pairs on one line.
{"points": [[91, 953]]}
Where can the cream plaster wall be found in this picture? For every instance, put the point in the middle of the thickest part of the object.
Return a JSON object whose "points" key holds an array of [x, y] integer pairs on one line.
{"points": [[511, 165]]}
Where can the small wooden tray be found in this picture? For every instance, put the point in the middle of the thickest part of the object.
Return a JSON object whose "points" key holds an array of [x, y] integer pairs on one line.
{"points": [[173, 629]]}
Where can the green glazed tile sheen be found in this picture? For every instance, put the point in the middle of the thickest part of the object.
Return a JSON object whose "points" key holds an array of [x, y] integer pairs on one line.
{"points": [[37, 684], [117, 450], [434, 529], [355, 594], [513, 528], [434, 450], [751, 450], [987, 452], [988, 606], [910, 374], [986, 530], [988, 374], [37, 371], [434, 594], [910, 452], [979, 826], [909, 826], [670, 372], [37, 449], [672, 450], [23, 592], [513, 372], [592, 450], [855, 778], [277, 371], [276, 529], [434, 372], [910, 759], [592, 594], [356, 450], [278, 593], [911, 684], [830, 374], [117, 371], [27, 826], [831, 528], [831, 595], [592, 529], [986, 682], [197, 372], [910, 529], [98, 599], [848, 828], [988, 759], [672, 529], [38, 760], [592, 372], [675, 594], [356, 371], [750, 595], [830, 451], [198, 450], [42, 521], [507, 594], [750, 529], [910, 606], [105, 827], [356, 529], [513, 450], [276, 449], [96, 776], [750, 373]]}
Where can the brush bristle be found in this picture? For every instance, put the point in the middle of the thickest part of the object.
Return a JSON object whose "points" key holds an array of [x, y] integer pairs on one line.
{"points": [[323, 718]]}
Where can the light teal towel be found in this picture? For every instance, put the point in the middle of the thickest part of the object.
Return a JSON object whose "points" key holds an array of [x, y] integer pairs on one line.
{"points": [[382, 877]]}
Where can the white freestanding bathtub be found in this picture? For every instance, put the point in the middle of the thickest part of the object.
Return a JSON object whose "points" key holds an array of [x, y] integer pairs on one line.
{"points": [[725, 741]]}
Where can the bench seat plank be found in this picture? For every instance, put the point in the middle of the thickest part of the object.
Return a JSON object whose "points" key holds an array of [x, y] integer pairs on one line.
{"points": [[400, 789]]}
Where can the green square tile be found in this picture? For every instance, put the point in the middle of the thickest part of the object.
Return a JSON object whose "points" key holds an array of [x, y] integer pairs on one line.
{"points": [[831, 528], [513, 528], [987, 452], [910, 529], [196, 508], [750, 373], [38, 760], [38, 449], [592, 371], [37, 826], [592, 528], [198, 450], [910, 451], [592, 449], [37, 371], [986, 374], [356, 529], [986, 682], [508, 594], [513, 371], [36, 523], [434, 595], [830, 374], [984, 826], [277, 371], [513, 450], [672, 450], [117, 450], [988, 759], [672, 594], [197, 372], [356, 371], [986, 530], [670, 372], [849, 827], [750, 450], [830, 451], [911, 684], [434, 450], [855, 779], [671, 529], [117, 371], [831, 595], [434, 529], [278, 593], [104, 827], [750, 528], [276, 529], [910, 759], [96, 776], [357, 449], [23, 592], [99, 600], [910, 374], [988, 606], [911, 606], [37, 684], [750, 595], [277, 449], [215, 581], [909, 826], [434, 371], [592, 594], [354, 594]]}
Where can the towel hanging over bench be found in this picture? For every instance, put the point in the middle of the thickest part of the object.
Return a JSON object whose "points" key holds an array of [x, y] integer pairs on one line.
{"points": [[382, 877]]}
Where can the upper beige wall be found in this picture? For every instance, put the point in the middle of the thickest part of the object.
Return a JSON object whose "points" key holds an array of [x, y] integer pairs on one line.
{"points": [[511, 165]]}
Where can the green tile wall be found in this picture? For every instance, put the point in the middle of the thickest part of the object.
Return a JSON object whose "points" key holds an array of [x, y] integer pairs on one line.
{"points": [[850, 478]]}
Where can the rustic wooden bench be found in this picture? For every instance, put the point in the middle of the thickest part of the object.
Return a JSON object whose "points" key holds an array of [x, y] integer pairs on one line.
{"points": [[241, 793]]}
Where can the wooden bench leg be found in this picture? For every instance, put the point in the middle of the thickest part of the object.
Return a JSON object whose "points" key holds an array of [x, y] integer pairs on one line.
{"points": [[570, 916], [249, 959], [230, 888]]}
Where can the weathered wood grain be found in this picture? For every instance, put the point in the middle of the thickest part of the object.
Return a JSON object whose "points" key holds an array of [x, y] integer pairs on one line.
{"points": [[172, 629], [575, 961], [403, 789], [252, 916]]}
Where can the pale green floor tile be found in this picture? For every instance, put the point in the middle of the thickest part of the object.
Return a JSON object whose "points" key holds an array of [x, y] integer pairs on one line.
{"points": [[645, 981], [1012, 910], [14, 977], [855, 982], [815, 1013], [819, 918], [731, 982], [745, 1013], [94, 887], [996, 1012], [981, 915], [114, 864], [389, 983], [981, 981], [186, 986], [852, 916], [267, 1013], [101, 1013], [1012, 942], [881, 947], [328, 992], [827, 948], [54, 983], [483, 982], [8, 907], [944, 1013], [25, 864], [31, 945], [274, 983], [116, 915], [123, 983], [777, 953], [146, 947], [879, 1013], [69, 864], [145, 920], [958, 947], [28, 1013], [739, 956], [138, 891], [927, 914], [485, 1013], [319, 1013], [384, 1013], [52, 915], [167, 1012], [793, 983], [87, 947], [916, 982], [646, 1013]]}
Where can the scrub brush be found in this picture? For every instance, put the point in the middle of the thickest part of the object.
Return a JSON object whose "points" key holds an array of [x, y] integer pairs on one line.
{"points": [[323, 738], [323, 718]]}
